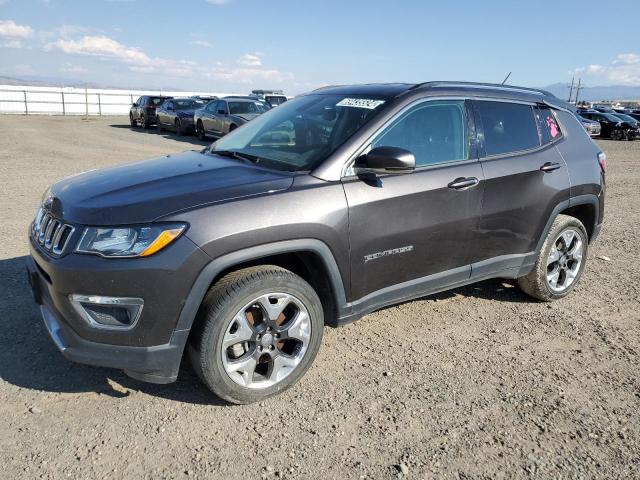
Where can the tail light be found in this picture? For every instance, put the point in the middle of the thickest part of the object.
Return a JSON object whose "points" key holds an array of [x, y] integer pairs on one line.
{"points": [[602, 160]]}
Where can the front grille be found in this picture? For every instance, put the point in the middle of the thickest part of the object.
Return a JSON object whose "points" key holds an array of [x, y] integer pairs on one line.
{"points": [[52, 234]]}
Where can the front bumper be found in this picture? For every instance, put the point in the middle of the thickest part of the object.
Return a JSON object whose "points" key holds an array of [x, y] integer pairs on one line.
{"points": [[152, 350]]}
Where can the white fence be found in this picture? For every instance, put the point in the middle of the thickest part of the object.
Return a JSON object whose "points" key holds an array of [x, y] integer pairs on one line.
{"points": [[30, 100]]}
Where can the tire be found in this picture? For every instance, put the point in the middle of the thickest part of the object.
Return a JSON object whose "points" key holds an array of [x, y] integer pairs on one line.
{"points": [[617, 135], [159, 126], [145, 123], [200, 133], [539, 283], [178, 126], [243, 294], [232, 127], [132, 122]]}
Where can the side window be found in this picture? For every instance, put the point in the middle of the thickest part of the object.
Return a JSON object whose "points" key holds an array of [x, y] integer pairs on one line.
{"points": [[548, 125], [435, 132], [508, 127], [140, 101], [221, 108]]}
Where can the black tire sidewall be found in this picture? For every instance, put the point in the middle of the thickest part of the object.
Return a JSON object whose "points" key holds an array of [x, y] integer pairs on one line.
{"points": [[212, 368]]}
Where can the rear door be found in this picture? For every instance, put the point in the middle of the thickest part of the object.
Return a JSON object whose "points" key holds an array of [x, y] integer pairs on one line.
{"points": [[406, 227], [525, 178]]}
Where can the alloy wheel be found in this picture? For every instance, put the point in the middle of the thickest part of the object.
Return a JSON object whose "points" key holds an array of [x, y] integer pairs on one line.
{"points": [[564, 260], [266, 340]]}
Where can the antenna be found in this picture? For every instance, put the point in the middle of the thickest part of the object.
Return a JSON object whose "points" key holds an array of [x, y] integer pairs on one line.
{"points": [[505, 79]]}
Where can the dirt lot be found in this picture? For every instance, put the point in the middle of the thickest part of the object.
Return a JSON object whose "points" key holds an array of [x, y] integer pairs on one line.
{"points": [[480, 382]]}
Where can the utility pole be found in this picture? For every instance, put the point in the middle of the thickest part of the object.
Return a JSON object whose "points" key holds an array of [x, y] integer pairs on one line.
{"points": [[571, 89], [578, 88]]}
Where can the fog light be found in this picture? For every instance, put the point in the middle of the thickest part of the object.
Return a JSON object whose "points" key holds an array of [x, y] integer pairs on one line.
{"points": [[120, 313]]}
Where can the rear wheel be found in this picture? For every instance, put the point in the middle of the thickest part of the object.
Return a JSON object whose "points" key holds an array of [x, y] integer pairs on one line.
{"points": [[258, 332], [560, 263]]}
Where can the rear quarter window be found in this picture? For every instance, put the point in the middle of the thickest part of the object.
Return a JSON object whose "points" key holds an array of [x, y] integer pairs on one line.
{"points": [[548, 125], [508, 127]]}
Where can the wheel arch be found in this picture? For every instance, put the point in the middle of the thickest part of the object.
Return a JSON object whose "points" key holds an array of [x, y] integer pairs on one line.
{"points": [[585, 208], [302, 256]]}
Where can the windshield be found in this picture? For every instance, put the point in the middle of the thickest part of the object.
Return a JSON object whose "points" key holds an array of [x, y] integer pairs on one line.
{"points": [[236, 108], [626, 118], [301, 132], [187, 104], [611, 118]]}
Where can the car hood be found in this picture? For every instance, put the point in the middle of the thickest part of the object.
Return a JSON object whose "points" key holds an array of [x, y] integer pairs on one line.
{"points": [[146, 191], [247, 117]]}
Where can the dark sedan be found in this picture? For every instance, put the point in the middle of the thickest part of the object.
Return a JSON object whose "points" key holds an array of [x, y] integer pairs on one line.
{"points": [[222, 116], [177, 114], [612, 126]]}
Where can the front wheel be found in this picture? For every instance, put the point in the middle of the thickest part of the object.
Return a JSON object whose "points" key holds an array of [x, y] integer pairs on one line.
{"points": [[560, 263], [178, 127], [200, 133], [132, 122], [258, 331]]}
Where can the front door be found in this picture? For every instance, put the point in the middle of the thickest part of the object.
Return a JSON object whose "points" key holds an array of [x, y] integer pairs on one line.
{"points": [[404, 228]]}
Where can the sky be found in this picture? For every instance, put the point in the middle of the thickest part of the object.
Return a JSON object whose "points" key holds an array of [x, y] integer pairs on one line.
{"points": [[299, 45]]}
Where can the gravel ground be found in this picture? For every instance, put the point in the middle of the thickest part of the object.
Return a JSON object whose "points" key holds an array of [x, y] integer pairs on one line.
{"points": [[486, 384]]}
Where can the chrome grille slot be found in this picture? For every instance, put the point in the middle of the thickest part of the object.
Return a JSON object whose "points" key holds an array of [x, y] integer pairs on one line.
{"points": [[51, 233]]}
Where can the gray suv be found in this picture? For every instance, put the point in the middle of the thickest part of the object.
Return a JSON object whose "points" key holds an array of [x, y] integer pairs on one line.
{"points": [[333, 205]]}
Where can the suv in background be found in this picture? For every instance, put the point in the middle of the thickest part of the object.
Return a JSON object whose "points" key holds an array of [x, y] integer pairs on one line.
{"points": [[272, 97], [143, 110], [338, 203]]}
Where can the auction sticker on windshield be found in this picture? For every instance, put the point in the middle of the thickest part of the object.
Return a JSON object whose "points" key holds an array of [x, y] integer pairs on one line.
{"points": [[360, 103]]}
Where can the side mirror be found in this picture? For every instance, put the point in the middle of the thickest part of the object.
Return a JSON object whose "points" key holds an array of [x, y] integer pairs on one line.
{"points": [[135, 104], [386, 160]]}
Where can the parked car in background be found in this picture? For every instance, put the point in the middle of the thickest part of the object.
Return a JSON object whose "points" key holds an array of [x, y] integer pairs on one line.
{"points": [[205, 98], [222, 116], [242, 253], [592, 127], [143, 111], [177, 114], [272, 97], [612, 127], [635, 116], [629, 119]]}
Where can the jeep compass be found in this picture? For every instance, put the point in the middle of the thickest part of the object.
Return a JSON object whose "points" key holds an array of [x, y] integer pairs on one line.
{"points": [[335, 204]]}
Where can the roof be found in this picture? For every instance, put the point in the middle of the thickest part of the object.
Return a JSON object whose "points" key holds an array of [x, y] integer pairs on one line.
{"points": [[393, 90], [242, 99]]}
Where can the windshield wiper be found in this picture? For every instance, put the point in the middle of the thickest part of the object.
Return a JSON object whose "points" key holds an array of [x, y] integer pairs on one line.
{"points": [[237, 155]]}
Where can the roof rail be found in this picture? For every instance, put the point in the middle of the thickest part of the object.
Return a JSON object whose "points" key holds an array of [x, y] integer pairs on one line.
{"points": [[495, 86]]}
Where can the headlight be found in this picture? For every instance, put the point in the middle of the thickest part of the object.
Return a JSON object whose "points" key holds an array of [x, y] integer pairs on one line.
{"points": [[128, 241]]}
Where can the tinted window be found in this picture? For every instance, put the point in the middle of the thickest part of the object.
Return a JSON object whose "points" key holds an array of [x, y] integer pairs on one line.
{"points": [[236, 108], [221, 107], [434, 132], [508, 127], [548, 125], [155, 100]]}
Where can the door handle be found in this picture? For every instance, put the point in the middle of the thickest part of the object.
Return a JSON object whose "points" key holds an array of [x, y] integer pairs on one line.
{"points": [[550, 167], [462, 183]]}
